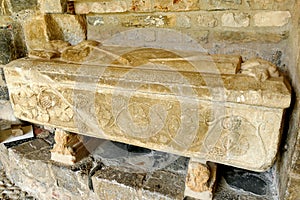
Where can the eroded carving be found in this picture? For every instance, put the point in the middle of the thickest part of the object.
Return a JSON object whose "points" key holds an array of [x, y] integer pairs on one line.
{"points": [[156, 99], [49, 50], [41, 104], [200, 180], [260, 69], [233, 136]]}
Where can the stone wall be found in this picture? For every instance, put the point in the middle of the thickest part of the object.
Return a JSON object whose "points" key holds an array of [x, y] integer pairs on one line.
{"points": [[251, 28]]}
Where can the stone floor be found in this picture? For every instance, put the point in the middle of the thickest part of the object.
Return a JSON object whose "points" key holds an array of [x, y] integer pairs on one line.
{"points": [[120, 172]]}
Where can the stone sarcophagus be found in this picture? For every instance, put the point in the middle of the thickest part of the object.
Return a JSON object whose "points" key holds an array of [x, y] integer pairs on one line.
{"points": [[210, 108]]}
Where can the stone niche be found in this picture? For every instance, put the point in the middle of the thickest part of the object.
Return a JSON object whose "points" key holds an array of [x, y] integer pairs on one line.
{"points": [[206, 107]]}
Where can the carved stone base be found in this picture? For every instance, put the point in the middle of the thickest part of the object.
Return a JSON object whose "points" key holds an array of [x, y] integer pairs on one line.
{"points": [[69, 148], [200, 180]]}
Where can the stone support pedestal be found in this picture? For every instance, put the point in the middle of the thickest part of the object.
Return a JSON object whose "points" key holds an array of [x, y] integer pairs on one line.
{"points": [[69, 148], [200, 180]]}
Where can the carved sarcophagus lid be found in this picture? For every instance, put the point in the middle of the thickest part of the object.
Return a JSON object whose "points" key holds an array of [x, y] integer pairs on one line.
{"points": [[212, 108]]}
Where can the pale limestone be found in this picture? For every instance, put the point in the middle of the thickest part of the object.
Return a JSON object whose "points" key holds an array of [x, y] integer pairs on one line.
{"points": [[207, 20], [46, 32], [200, 180], [260, 69], [53, 6], [70, 148], [114, 6], [142, 5], [169, 5], [134, 96], [271, 18], [72, 27], [36, 32], [235, 20]]}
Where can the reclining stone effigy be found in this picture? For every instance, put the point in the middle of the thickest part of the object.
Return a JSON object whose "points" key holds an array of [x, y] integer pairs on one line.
{"points": [[206, 107]]}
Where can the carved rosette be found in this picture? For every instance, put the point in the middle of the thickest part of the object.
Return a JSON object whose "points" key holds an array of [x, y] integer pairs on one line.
{"points": [[233, 137], [41, 104]]}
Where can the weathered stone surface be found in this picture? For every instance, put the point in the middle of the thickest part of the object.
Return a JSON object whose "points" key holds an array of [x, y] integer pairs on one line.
{"points": [[9, 191], [110, 183], [244, 5], [37, 32], [41, 29], [7, 50], [234, 183], [176, 5], [260, 69], [200, 180], [53, 6], [14, 6], [271, 18], [183, 21], [72, 27], [28, 165], [149, 21], [7, 112], [82, 50], [251, 36], [235, 20], [142, 5], [207, 20], [4, 92], [292, 192], [109, 6], [68, 148], [230, 121], [12, 45], [221, 5]]}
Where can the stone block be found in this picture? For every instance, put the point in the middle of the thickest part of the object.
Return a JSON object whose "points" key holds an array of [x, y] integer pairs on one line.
{"points": [[192, 36], [183, 21], [28, 165], [7, 112], [42, 28], [207, 20], [108, 6], [14, 36], [235, 20], [185, 111], [270, 5], [221, 5], [4, 92], [176, 5], [142, 21], [53, 6], [142, 6], [15, 6], [38, 31], [249, 36], [111, 183], [7, 50], [271, 18], [73, 27], [292, 192]]}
